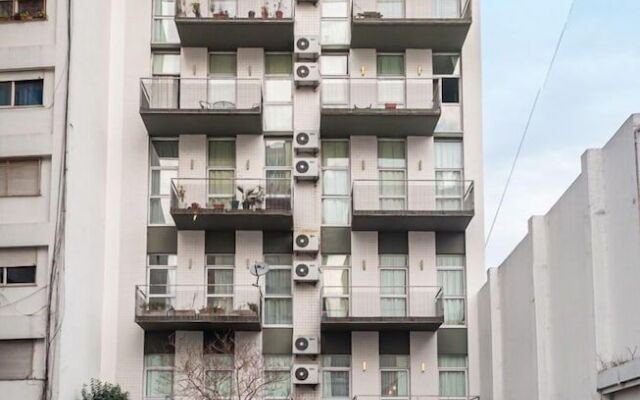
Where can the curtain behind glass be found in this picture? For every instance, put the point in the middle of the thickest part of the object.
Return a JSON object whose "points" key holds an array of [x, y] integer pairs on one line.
{"points": [[335, 384], [278, 153], [278, 64], [166, 64], [391, 8], [28, 93], [222, 64], [222, 153], [334, 32], [278, 282], [452, 384], [278, 311], [335, 154], [394, 383], [448, 155], [335, 211], [165, 31], [164, 8], [392, 154], [5, 93], [390, 65]]}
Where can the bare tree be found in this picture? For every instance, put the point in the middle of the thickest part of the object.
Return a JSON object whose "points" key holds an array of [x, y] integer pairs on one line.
{"points": [[223, 368]]}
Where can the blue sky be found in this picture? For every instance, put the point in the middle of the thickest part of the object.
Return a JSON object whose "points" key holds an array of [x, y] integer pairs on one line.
{"points": [[593, 88]]}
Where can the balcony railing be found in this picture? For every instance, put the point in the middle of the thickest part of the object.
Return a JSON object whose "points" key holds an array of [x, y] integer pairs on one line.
{"points": [[420, 205], [198, 306], [382, 307], [228, 25], [234, 203], [201, 105], [399, 25], [389, 107]]}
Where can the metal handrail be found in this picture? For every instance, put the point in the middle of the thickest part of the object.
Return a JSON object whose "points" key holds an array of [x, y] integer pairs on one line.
{"points": [[376, 103]]}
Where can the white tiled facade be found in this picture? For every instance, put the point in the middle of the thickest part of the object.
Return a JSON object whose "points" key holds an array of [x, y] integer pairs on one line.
{"points": [[115, 239]]}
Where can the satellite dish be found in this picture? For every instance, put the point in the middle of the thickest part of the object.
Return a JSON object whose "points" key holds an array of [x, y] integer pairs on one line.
{"points": [[259, 268]]}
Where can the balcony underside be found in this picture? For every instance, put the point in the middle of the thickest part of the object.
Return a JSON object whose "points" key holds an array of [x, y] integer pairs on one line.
{"points": [[209, 219], [207, 122], [346, 324], [401, 34], [230, 34], [402, 221], [173, 323], [342, 123]]}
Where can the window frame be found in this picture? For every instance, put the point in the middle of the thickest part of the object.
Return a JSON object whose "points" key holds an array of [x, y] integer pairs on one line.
{"points": [[170, 296], [406, 370], [4, 273], [346, 169], [288, 296], [165, 52], [457, 370], [460, 103], [279, 369], [331, 369], [161, 17], [266, 103], [219, 267], [407, 294], [159, 369], [405, 197], [463, 297], [344, 20], [12, 83], [6, 162], [15, 6], [213, 168], [459, 170], [276, 168], [325, 266], [161, 168]]}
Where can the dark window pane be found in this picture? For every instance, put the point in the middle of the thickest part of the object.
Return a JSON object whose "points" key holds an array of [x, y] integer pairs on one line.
{"points": [[6, 9], [21, 275], [446, 64], [1, 276], [33, 7], [5, 93], [29, 93], [450, 90]]}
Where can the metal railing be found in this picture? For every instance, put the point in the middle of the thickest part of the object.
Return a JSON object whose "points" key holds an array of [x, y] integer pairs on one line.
{"points": [[412, 195], [232, 195], [198, 301], [235, 10], [381, 93], [411, 9], [382, 301], [204, 94]]}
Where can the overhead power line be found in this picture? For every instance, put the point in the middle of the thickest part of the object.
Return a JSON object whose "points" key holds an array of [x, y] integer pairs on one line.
{"points": [[529, 119]]}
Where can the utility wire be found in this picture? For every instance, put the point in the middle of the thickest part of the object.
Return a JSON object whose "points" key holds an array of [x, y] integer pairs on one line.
{"points": [[529, 119]]}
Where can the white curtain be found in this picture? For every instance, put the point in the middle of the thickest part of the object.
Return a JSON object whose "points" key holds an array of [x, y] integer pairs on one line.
{"points": [[278, 310], [391, 8], [394, 383], [335, 211], [335, 384], [452, 384], [162, 92], [446, 8], [166, 64], [448, 155], [335, 92], [165, 31], [391, 91], [222, 93], [334, 32], [278, 117]]}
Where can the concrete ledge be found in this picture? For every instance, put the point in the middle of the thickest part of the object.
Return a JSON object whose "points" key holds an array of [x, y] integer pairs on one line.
{"points": [[24, 235], [29, 145], [23, 326], [618, 378]]}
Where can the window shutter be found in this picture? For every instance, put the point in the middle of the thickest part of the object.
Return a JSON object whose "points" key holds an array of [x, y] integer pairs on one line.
{"points": [[16, 357]]}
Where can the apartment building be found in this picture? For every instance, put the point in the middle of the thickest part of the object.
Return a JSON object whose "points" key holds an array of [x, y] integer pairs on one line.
{"points": [[558, 318], [332, 148], [33, 49]]}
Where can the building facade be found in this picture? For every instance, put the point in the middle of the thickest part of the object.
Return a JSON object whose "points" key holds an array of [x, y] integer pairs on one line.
{"points": [[336, 144], [558, 318], [33, 72]]}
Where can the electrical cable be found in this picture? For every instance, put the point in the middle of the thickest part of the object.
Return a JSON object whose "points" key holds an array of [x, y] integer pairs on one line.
{"points": [[528, 124]]}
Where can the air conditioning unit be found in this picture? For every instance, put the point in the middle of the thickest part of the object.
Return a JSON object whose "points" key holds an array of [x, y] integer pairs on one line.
{"points": [[305, 169], [307, 47], [306, 242], [305, 374], [307, 74], [306, 141], [305, 345], [306, 272]]}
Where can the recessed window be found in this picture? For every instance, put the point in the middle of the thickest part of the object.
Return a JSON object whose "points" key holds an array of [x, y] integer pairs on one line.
{"points": [[166, 64], [334, 65], [222, 64], [21, 93], [24, 10], [19, 178], [278, 64], [163, 168], [20, 275], [390, 65], [164, 27]]}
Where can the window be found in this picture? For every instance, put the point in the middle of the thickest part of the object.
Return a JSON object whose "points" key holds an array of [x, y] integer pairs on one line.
{"points": [[16, 357], [334, 64], [394, 376], [449, 175], [453, 376], [164, 168], [19, 177], [278, 93], [335, 376], [219, 378], [334, 25], [451, 279], [23, 275], [159, 356], [335, 183], [21, 93], [164, 27], [392, 166], [220, 282], [278, 172], [277, 376], [335, 85], [222, 167], [446, 9], [447, 68], [393, 285], [165, 64], [161, 278], [229, 7], [34, 8], [278, 298], [335, 284], [391, 8], [391, 83]]}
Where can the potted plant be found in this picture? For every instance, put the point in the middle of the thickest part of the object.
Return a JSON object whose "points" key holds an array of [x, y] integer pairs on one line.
{"points": [[252, 14], [181, 193], [4, 16], [254, 308], [390, 106], [264, 11], [26, 16], [218, 206], [235, 203], [279, 12], [40, 14], [195, 7]]}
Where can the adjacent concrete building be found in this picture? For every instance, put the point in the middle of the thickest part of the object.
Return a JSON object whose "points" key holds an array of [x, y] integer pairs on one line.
{"points": [[337, 142], [558, 318]]}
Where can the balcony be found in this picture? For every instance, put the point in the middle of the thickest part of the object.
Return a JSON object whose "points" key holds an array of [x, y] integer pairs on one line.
{"points": [[410, 24], [384, 107], [198, 307], [232, 204], [412, 205], [216, 107], [381, 308], [227, 25]]}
